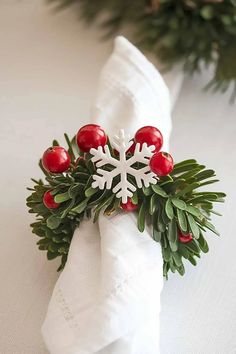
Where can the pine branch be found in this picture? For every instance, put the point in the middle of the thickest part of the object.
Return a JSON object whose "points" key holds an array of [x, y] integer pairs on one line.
{"points": [[190, 32], [176, 203]]}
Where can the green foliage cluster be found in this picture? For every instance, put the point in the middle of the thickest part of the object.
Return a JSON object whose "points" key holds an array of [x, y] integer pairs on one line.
{"points": [[193, 32], [173, 204]]}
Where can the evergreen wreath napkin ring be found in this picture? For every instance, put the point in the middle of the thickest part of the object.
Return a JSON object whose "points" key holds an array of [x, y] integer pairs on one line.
{"points": [[107, 174]]}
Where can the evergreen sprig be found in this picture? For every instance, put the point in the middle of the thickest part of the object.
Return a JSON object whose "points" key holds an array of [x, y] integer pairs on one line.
{"points": [[193, 32], [174, 203]]}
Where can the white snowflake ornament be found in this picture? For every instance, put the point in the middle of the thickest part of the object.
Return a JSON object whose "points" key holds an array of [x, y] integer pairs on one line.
{"points": [[123, 167]]}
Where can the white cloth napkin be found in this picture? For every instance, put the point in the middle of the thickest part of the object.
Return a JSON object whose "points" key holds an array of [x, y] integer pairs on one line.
{"points": [[107, 299]]}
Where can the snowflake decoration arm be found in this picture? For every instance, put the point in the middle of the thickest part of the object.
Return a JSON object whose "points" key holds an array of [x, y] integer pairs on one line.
{"points": [[102, 156], [123, 167]]}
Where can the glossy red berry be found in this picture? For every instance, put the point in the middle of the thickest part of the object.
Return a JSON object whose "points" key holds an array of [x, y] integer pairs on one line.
{"points": [[48, 201], [184, 238], [129, 206], [91, 136], [56, 159], [161, 163], [151, 136]]}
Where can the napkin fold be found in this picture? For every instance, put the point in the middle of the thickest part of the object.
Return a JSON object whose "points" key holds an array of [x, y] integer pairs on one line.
{"points": [[107, 299]]}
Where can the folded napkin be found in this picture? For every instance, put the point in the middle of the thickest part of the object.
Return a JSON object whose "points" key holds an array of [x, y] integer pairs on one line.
{"points": [[107, 299]]}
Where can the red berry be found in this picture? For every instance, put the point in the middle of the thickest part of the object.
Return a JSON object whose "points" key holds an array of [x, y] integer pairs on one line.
{"points": [[129, 206], [151, 136], [48, 200], [184, 238], [161, 163], [91, 136], [56, 159]]}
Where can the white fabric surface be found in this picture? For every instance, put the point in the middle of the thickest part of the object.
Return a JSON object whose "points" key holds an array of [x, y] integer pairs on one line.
{"points": [[107, 299]]}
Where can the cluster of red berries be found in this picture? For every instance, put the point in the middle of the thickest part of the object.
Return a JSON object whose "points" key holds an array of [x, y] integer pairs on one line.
{"points": [[56, 159], [161, 163]]}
